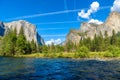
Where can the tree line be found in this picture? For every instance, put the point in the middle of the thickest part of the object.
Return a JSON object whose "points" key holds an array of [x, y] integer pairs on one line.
{"points": [[97, 44], [16, 44], [13, 44]]}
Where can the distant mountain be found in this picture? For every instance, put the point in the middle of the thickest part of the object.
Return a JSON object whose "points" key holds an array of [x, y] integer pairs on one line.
{"points": [[29, 30], [2, 28], [90, 29]]}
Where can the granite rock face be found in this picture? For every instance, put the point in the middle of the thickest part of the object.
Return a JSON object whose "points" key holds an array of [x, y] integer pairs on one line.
{"points": [[30, 31], [90, 29], [2, 29]]}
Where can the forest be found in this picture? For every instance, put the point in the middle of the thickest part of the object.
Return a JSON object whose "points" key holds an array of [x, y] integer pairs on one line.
{"points": [[12, 44]]}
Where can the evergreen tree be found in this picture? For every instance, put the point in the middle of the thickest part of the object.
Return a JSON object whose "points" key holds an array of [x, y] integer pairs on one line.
{"points": [[45, 49], [21, 43], [87, 43], [33, 46], [59, 48], [28, 48], [70, 46], [39, 48], [95, 43], [113, 38], [106, 41], [100, 42], [52, 48], [13, 40], [9, 42]]}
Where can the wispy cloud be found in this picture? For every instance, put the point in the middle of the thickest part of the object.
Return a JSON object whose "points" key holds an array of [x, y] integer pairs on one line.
{"points": [[58, 22], [95, 21], [55, 41], [50, 13], [62, 35], [93, 8], [116, 6], [43, 14], [104, 7], [51, 28]]}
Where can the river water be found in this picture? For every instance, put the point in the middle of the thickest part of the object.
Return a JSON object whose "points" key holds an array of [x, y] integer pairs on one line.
{"points": [[58, 69]]}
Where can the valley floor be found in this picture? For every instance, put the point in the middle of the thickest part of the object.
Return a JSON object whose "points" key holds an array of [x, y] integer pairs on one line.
{"points": [[91, 55]]}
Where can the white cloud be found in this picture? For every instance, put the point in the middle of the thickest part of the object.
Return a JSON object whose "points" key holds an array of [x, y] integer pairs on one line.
{"points": [[57, 41], [61, 35], [82, 14], [95, 21], [57, 22], [93, 8], [42, 14], [116, 6]]}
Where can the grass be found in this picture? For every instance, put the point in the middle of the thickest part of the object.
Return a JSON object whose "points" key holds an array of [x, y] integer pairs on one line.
{"points": [[90, 55]]}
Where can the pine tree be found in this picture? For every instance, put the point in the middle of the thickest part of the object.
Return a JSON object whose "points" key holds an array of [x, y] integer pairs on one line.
{"points": [[13, 40], [8, 43], [45, 49], [21, 43], [33, 46], [87, 43], [106, 41], [95, 43], [100, 42], [113, 38], [28, 48], [69, 47], [52, 48]]}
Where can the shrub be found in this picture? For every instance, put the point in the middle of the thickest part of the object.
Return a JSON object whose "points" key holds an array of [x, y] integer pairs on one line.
{"points": [[114, 50], [83, 49], [108, 54], [82, 52]]}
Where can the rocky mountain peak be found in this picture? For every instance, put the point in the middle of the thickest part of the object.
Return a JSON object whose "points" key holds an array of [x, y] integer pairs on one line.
{"points": [[90, 29], [29, 30], [113, 21], [2, 29]]}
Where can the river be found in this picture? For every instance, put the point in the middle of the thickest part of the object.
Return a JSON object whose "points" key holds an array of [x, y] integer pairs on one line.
{"points": [[58, 69]]}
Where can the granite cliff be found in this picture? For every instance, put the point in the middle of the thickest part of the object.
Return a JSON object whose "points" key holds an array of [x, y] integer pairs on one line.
{"points": [[30, 31], [90, 29], [2, 28]]}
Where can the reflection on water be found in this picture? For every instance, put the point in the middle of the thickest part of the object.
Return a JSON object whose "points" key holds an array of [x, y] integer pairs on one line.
{"points": [[58, 69]]}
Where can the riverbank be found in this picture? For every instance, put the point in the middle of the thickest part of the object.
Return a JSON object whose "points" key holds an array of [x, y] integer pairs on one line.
{"points": [[88, 56]]}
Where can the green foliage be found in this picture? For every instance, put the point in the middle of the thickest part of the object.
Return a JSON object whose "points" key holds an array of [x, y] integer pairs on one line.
{"points": [[45, 49], [33, 46], [108, 54], [21, 43], [52, 48], [106, 41], [13, 44], [28, 48], [114, 50], [95, 43], [39, 49], [59, 49], [83, 49], [70, 47], [8, 43], [83, 52], [113, 38]]}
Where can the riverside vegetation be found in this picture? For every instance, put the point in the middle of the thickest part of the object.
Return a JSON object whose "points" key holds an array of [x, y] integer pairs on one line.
{"points": [[102, 46]]}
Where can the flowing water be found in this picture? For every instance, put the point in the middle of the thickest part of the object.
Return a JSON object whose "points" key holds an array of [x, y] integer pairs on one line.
{"points": [[58, 69]]}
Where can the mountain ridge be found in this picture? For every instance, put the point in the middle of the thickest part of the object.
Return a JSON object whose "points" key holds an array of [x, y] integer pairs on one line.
{"points": [[90, 29], [30, 31]]}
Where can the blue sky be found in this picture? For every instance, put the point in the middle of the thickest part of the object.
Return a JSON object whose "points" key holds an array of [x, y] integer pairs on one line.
{"points": [[54, 18]]}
